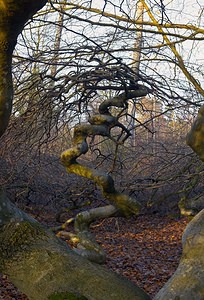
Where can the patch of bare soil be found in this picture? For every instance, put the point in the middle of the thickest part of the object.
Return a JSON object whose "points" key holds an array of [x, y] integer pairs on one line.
{"points": [[145, 249]]}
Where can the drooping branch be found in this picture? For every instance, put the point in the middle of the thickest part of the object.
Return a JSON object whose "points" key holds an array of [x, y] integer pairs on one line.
{"points": [[100, 124], [121, 100]]}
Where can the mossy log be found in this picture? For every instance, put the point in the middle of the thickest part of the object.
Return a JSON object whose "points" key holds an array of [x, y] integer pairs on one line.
{"points": [[43, 267]]}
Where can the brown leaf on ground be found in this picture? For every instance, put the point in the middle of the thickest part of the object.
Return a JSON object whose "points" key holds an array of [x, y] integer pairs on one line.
{"points": [[145, 249]]}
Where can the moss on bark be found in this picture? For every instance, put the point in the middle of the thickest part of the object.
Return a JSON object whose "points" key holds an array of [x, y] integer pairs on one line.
{"points": [[100, 124], [43, 266], [195, 137], [187, 281], [17, 236], [66, 296]]}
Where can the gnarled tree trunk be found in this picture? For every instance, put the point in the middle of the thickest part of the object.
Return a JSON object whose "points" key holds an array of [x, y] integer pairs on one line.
{"points": [[43, 267]]}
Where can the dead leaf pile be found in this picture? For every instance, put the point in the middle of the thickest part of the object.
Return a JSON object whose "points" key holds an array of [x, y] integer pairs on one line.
{"points": [[145, 249]]}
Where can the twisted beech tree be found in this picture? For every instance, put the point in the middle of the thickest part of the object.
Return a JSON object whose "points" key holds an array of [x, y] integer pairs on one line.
{"points": [[41, 265], [36, 261], [100, 124]]}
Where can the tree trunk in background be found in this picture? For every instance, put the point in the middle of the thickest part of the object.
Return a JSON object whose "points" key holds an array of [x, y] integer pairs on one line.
{"points": [[58, 37], [139, 11], [138, 39]]}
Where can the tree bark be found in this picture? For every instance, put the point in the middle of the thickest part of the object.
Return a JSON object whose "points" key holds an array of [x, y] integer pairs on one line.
{"points": [[43, 267], [13, 16], [100, 124], [36, 261], [195, 137], [187, 283]]}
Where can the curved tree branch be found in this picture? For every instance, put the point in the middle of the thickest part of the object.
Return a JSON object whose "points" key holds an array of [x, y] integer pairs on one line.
{"points": [[100, 124]]}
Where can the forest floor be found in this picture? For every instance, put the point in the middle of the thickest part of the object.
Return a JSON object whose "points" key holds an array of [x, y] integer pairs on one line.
{"points": [[145, 249]]}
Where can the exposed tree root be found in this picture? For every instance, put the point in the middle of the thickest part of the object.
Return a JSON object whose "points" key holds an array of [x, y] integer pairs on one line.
{"points": [[100, 124]]}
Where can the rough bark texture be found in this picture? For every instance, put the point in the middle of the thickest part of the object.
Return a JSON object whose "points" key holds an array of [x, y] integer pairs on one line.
{"points": [[195, 138], [187, 283], [43, 267], [13, 16]]}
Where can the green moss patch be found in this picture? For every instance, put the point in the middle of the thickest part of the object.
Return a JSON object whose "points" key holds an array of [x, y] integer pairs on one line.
{"points": [[19, 236], [66, 296]]}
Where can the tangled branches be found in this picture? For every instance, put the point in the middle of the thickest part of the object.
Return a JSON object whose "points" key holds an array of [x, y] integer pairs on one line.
{"points": [[99, 124]]}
